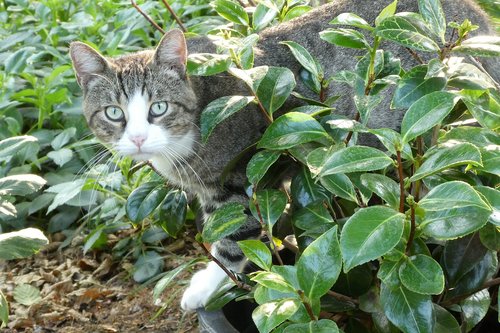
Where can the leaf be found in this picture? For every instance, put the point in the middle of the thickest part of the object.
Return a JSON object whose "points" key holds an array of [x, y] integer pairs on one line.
{"points": [[144, 200], [452, 210], [321, 326], [386, 188], [354, 159], [263, 16], [147, 265], [63, 138], [392, 141], [312, 217], [257, 252], [492, 196], [351, 19], [446, 156], [173, 212], [64, 192], [223, 222], [409, 311], [21, 244], [340, 185], [305, 191], [467, 76], [206, 64], [4, 310], [21, 184], [7, 210], [481, 46], [403, 32], [219, 110], [273, 280], [319, 265], [475, 307], [295, 12], [275, 87], [484, 106], [445, 322], [61, 156], [389, 10], [305, 59], [269, 315], [26, 294], [490, 237], [370, 233], [413, 85], [422, 274], [259, 164], [271, 203], [433, 14], [231, 11], [292, 129], [426, 113], [460, 256], [345, 37]]}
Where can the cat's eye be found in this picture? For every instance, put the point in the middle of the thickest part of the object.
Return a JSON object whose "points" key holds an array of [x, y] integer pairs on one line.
{"points": [[114, 113], [158, 109]]}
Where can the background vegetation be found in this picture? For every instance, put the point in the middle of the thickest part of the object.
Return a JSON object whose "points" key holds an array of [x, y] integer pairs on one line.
{"points": [[55, 177]]}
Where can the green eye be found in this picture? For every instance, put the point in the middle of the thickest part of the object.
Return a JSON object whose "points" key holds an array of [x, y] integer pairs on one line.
{"points": [[114, 113], [158, 109]]}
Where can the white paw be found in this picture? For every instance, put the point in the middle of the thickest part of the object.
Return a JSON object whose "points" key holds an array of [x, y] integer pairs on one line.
{"points": [[203, 285]]}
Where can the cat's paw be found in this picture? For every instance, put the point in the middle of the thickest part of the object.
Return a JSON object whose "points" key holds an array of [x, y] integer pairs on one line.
{"points": [[203, 284]]}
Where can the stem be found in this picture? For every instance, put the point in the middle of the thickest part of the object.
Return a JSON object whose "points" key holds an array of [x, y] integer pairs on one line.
{"points": [[415, 55], [239, 284], [307, 305], [342, 297], [176, 18], [322, 91], [150, 20], [412, 229], [371, 68], [487, 284], [401, 183], [349, 136]]}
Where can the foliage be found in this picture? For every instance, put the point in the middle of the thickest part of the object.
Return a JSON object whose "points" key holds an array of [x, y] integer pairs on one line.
{"points": [[427, 201]]}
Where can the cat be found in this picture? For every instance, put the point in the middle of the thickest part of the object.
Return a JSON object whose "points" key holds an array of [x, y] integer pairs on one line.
{"points": [[145, 106]]}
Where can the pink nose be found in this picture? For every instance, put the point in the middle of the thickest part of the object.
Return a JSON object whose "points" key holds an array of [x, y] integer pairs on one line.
{"points": [[138, 140]]}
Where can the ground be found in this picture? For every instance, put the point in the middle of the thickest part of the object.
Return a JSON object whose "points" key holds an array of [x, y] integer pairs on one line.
{"points": [[93, 293]]}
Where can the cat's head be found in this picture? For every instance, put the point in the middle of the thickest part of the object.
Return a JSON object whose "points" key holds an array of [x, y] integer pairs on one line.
{"points": [[141, 103]]}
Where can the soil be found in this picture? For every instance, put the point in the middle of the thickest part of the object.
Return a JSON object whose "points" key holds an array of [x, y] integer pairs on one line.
{"points": [[94, 293]]}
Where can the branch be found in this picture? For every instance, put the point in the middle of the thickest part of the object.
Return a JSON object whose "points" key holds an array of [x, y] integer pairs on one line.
{"points": [[401, 183], [342, 298], [150, 20], [307, 305], [486, 285], [349, 136], [176, 18]]}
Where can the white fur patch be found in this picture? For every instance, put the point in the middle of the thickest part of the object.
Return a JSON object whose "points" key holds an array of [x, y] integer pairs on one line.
{"points": [[203, 285]]}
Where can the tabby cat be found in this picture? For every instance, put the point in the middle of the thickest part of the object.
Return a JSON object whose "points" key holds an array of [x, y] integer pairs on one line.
{"points": [[144, 106]]}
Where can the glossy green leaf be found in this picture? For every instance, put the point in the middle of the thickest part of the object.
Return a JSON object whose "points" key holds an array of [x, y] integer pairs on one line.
{"points": [[454, 194], [147, 265], [386, 188], [319, 265], [340, 185], [388, 272], [61, 156], [484, 106], [422, 274], [26, 294], [223, 222], [21, 184], [275, 87], [205, 64], [259, 164], [345, 37], [291, 129], [271, 203], [231, 11], [426, 113], [257, 252], [219, 110], [370, 233], [481, 46], [65, 191], [445, 322], [21, 244], [305, 191], [413, 85], [492, 196], [305, 58], [475, 307], [389, 10], [403, 32], [144, 200], [445, 156], [314, 219], [269, 315], [173, 210], [351, 19], [4, 310], [392, 141], [467, 76], [354, 159], [433, 14], [263, 16], [273, 281], [7, 210], [490, 236], [460, 256], [409, 311], [321, 326], [246, 52]]}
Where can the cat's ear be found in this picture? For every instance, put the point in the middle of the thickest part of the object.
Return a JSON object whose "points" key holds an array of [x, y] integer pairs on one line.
{"points": [[87, 62], [172, 50]]}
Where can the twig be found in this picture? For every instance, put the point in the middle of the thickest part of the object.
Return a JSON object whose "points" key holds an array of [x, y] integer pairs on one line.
{"points": [[150, 20], [415, 55], [343, 298], [487, 284], [401, 183], [176, 18], [238, 283], [348, 138], [307, 305], [412, 227]]}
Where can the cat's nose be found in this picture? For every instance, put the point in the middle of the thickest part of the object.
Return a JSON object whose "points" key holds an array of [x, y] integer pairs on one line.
{"points": [[138, 140]]}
